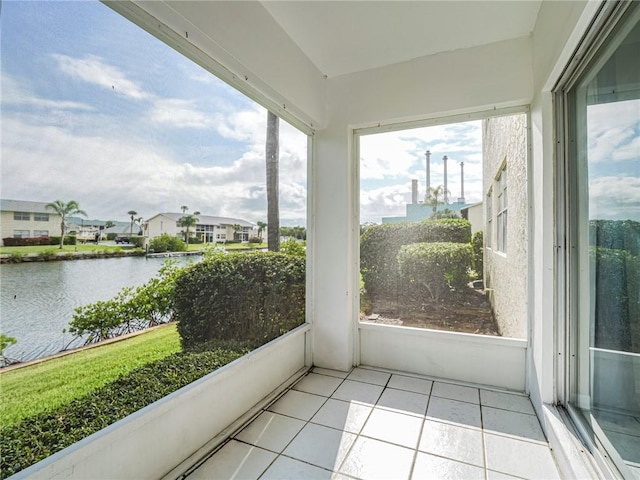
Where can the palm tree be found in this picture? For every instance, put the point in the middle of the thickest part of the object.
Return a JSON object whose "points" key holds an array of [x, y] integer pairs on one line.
{"points": [[133, 213], [65, 210], [272, 154], [138, 221], [261, 227], [435, 196], [184, 208], [188, 221]]}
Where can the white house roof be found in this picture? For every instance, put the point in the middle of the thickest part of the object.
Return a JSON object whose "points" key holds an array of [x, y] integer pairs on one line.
{"points": [[23, 206], [207, 219]]}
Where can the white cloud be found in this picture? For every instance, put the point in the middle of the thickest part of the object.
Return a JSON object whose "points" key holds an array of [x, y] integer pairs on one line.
{"points": [[109, 176], [179, 113], [614, 197], [95, 70], [612, 131], [16, 94]]}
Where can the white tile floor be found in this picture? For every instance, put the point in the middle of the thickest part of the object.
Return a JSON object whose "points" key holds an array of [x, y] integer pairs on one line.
{"points": [[370, 424]]}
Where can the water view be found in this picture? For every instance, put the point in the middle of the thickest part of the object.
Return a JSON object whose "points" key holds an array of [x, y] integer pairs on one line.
{"points": [[37, 299]]}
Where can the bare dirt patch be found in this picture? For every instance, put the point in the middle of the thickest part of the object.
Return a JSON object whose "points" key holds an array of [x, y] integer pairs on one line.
{"points": [[467, 313]]}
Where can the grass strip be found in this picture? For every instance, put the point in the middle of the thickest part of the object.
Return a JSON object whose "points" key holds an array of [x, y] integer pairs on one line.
{"points": [[34, 389], [38, 437]]}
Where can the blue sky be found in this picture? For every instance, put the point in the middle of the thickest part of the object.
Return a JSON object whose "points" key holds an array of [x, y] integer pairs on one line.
{"points": [[87, 117]]}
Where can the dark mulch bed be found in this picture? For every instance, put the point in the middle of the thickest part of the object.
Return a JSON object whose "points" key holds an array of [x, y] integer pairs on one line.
{"points": [[468, 312]]}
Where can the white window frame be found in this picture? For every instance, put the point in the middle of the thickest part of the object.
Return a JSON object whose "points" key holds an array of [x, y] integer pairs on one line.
{"points": [[501, 214], [20, 216], [40, 217]]}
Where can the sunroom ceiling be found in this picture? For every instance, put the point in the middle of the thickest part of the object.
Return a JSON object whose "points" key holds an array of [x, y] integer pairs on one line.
{"points": [[342, 37]]}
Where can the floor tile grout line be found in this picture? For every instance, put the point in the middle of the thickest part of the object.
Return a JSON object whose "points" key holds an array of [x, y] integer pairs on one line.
{"points": [[307, 422], [359, 434], [424, 421], [485, 456]]}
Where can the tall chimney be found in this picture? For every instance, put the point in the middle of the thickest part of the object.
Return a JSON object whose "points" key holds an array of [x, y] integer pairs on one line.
{"points": [[461, 199], [446, 195], [428, 192], [414, 191]]}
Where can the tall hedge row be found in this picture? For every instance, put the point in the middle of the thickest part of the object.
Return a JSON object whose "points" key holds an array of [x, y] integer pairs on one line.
{"points": [[252, 297], [616, 234], [617, 302], [380, 245]]}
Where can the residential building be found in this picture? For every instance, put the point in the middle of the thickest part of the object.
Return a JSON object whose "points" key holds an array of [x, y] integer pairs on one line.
{"points": [[475, 214], [209, 229], [339, 70], [22, 219]]}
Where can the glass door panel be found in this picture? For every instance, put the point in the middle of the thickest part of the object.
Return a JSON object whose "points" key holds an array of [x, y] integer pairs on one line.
{"points": [[604, 119]]}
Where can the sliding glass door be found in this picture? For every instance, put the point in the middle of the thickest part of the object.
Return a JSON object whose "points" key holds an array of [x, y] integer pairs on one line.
{"points": [[602, 186]]}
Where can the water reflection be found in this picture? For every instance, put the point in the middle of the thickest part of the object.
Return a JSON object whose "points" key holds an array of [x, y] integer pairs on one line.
{"points": [[37, 299]]}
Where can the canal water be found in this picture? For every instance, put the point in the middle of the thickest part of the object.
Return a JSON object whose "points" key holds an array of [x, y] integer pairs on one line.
{"points": [[37, 299]]}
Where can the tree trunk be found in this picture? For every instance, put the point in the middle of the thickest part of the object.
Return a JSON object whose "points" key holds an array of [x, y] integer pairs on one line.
{"points": [[272, 154]]}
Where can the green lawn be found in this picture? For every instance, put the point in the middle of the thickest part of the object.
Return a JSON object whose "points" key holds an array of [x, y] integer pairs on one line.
{"points": [[34, 389], [56, 249]]}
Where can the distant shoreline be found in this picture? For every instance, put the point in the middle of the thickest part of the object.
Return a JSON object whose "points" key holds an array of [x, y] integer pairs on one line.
{"points": [[40, 257]]}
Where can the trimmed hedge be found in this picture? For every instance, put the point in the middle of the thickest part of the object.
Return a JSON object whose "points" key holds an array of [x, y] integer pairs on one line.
{"points": [[35, 438], [167, 243], [68, 240], [137, 241], [380, 244], [252, 297], [434, 269], [25, 242]]}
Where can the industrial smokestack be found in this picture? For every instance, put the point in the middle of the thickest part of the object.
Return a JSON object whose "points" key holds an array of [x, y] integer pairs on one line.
{"points": [[446, 194], [414, 191], [461, 199], [428, 193]]}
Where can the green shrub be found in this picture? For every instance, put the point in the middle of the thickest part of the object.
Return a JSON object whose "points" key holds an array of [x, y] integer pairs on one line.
{"points": [[132, 309], [35, 438], [434, 269], [167, 243], [255, 240], [477, 244], [293, 247], [68, 240], [380, 244], [137, 241], [111, 236], [252, 297], [195, 241], [617, 302]]}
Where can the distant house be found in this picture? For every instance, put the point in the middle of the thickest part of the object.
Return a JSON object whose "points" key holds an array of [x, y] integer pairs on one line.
{"points": [[21, 219], [209, 229], [474, 214]]}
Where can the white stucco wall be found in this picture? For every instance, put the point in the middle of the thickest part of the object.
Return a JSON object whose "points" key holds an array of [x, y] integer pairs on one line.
{"points": [[504, 143]]}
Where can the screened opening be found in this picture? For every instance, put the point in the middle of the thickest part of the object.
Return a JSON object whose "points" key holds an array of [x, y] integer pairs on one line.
{"points": [[160, 158], [433, 235]]}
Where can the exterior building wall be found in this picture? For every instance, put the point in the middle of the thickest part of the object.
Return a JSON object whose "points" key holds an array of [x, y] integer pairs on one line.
{"points": [[505, 275], [8, 225], [475, 215], [159, 225]]}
